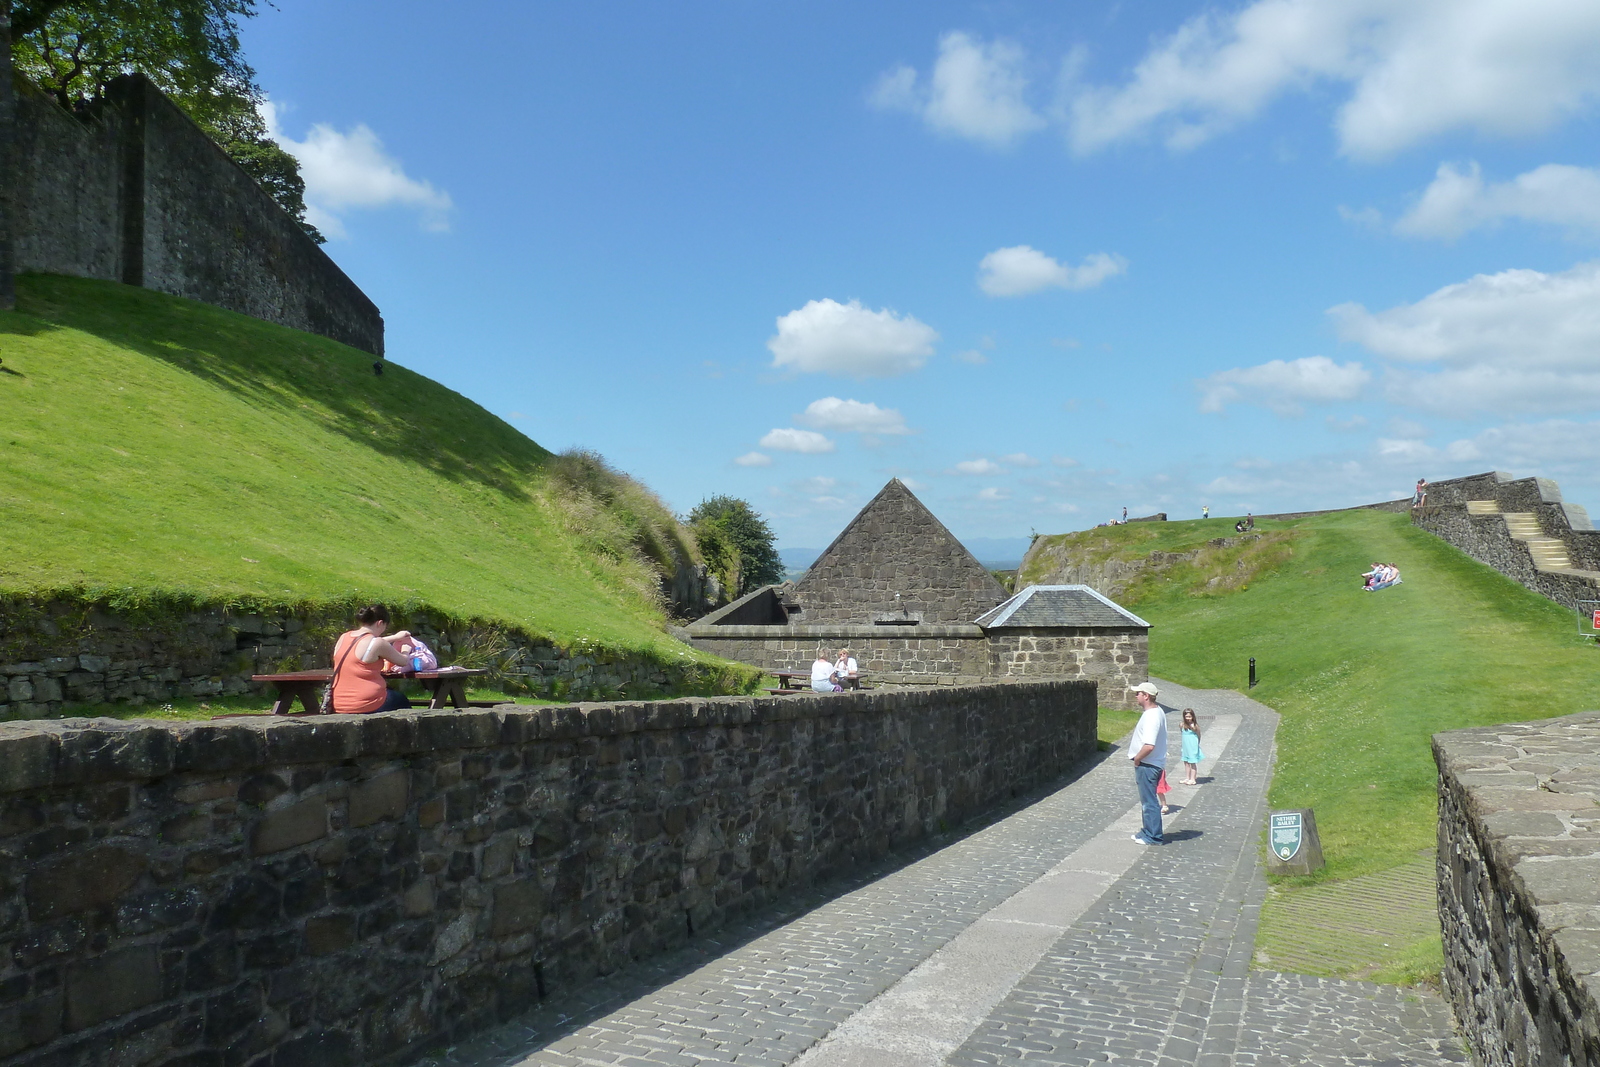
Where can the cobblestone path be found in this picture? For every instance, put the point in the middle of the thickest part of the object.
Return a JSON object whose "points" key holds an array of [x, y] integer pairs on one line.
{"points": [[1046, 937]]}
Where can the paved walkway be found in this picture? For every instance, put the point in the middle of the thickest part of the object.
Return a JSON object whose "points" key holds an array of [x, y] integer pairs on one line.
{"points": [[1047, 937]]}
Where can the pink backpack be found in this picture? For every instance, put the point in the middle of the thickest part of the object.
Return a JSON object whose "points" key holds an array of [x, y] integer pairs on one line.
{"points": [[414, 650]]}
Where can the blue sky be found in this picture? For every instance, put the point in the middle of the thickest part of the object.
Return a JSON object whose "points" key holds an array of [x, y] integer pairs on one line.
{"points": [[1042, 261]]}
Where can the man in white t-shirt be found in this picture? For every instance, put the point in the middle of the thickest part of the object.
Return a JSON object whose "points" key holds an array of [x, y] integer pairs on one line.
{"points": [[1147, 748]]}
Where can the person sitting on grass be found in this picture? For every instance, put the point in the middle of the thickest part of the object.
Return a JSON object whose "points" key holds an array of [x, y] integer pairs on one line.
{"points": [[358, 659], [1382, 576], [822, 674]]}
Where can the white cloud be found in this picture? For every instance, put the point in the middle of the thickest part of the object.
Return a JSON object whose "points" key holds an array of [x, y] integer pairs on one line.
{"points": [[754, 459], [345, 171], [978, 466], [1020, 270], [993, 493], [828, 337], [1064, 461], [971, 355], [1019, 459], [1517, 341], [1354, 422], [1283, 385], [1413, 70], [852, 416], [976, 91], [807, 442], [1458, 200], [815, 485]]}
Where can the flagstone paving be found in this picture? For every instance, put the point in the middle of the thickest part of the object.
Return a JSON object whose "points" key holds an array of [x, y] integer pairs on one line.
{"points": [[1045, 937]]}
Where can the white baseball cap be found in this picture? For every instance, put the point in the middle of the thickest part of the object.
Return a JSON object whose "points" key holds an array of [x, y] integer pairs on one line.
{"points": [[1145, 687]]}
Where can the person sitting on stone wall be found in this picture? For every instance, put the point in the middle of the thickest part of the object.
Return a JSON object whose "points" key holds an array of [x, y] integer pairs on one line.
{"points": [[823, 674]]}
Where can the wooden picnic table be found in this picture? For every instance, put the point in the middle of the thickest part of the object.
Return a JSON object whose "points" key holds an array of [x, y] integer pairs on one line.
{"points": [[800, 681], [447, 684]]}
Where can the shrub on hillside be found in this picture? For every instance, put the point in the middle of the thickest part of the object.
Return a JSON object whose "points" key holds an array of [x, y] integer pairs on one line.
{"points": [[624, 525]]}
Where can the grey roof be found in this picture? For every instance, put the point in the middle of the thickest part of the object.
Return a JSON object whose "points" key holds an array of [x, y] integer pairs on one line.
{"points": [[1059, 605]]}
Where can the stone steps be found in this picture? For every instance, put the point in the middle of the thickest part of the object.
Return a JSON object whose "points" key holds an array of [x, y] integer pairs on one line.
{"points": [[1482, 507], [1549, 553]]}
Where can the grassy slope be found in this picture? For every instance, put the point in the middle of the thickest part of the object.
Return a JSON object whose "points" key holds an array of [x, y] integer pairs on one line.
{"points": [[156, 443], [1362, 679]]}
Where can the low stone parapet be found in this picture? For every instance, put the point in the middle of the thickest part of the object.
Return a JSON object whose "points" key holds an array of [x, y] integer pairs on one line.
{"points": [[353, 889], [1519, 889]]}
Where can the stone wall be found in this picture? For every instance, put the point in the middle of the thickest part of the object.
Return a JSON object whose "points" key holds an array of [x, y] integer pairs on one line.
{"points": [[947, 655], [63, 652], [133, 191], [1112, 659], [914, 655], [1519, 889], [340, 890], [1486, 539]]}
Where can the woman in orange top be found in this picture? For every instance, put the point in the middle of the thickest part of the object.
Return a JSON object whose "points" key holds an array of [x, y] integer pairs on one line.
{"points": [[358, 657]]}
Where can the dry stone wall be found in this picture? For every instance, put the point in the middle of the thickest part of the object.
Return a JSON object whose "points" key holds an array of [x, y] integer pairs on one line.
{"points": [[343, 889], [62, 653], [1519, 889]]}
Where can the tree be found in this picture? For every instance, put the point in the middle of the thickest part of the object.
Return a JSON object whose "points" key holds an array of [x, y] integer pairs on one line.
{"points": [[726, 525], [74, 49]]}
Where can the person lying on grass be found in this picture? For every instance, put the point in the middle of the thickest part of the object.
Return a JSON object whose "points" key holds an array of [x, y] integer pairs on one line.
{"points": [[1381, 576]]}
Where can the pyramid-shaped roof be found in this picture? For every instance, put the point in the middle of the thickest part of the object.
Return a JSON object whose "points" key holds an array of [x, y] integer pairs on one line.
{"points": [[895, 559], [1045, 606]]}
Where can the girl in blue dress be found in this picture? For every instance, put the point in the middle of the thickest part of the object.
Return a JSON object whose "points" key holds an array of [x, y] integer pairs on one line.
{"points": [[1191, 745]]}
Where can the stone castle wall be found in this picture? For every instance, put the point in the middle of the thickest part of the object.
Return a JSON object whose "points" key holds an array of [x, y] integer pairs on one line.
{"points": [[1519, 889], [63, 653], [132, 191], [1486, 538], [352, 889]]}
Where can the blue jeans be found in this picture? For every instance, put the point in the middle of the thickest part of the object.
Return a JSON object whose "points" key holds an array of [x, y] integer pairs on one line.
{"points": [[1147, 775]]}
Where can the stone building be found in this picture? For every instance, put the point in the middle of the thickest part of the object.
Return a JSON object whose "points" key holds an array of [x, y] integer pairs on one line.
{"points": [[915, 607]]}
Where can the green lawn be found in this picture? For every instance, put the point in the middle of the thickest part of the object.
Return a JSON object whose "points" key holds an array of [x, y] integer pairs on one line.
{"points": [[157, 447]]}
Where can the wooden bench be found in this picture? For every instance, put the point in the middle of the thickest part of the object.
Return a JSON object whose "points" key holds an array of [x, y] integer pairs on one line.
{"points": [[447, 684]]}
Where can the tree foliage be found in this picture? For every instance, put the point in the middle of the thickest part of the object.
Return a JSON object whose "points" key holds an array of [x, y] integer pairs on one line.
{"points": [[736, 542], [74, 49]]}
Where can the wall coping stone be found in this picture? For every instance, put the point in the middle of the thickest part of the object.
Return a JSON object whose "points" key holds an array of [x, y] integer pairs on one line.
{"points": [[839, 629], [1528, 796], [49, 754]]}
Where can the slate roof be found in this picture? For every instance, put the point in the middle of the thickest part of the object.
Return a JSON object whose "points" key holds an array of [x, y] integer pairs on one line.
{"points": [[1059, 605]]}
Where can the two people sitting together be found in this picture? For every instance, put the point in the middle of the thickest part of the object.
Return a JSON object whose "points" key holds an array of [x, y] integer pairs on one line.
{"points": [[1381, 576], [836, 676]]}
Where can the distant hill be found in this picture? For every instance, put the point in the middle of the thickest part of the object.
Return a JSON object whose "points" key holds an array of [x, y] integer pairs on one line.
{"points": [[158, 445]]}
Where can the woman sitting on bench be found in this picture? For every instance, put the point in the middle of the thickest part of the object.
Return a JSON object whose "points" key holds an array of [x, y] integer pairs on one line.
{"points": [[358, 657]]}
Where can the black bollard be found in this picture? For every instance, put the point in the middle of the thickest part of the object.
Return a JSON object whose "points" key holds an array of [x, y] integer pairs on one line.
{"points": [[377, 368], [1252, 672]]}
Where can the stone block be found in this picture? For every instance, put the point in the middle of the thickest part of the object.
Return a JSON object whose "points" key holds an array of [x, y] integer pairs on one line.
{"points": [[94, 664], [20, 689], [517, 907], [111, 985], [298, 824], [383, 797], [418, 900], [78, 883], [329, 934]]}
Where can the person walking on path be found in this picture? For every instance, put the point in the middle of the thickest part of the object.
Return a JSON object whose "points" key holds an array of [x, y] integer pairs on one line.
{"points": [[1147, 748], [1191, 746]]}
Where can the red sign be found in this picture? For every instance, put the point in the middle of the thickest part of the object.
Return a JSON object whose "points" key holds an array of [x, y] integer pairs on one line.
{"points": [[1597, 620]]}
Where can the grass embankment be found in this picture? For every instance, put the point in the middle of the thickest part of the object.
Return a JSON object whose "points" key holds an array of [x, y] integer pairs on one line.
{"points": [[160, 450], [1362, 680]]}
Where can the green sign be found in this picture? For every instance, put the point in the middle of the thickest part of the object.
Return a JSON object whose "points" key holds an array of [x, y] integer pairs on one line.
{"points": [[1288, 831]]}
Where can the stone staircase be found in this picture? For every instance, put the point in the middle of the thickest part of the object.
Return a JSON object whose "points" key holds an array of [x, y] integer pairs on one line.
{"points": [[1549, 553]]}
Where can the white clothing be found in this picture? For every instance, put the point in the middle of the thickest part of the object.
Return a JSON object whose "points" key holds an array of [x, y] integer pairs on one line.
{"points": [[847, 667], [822, 676], [1152, 730]]}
